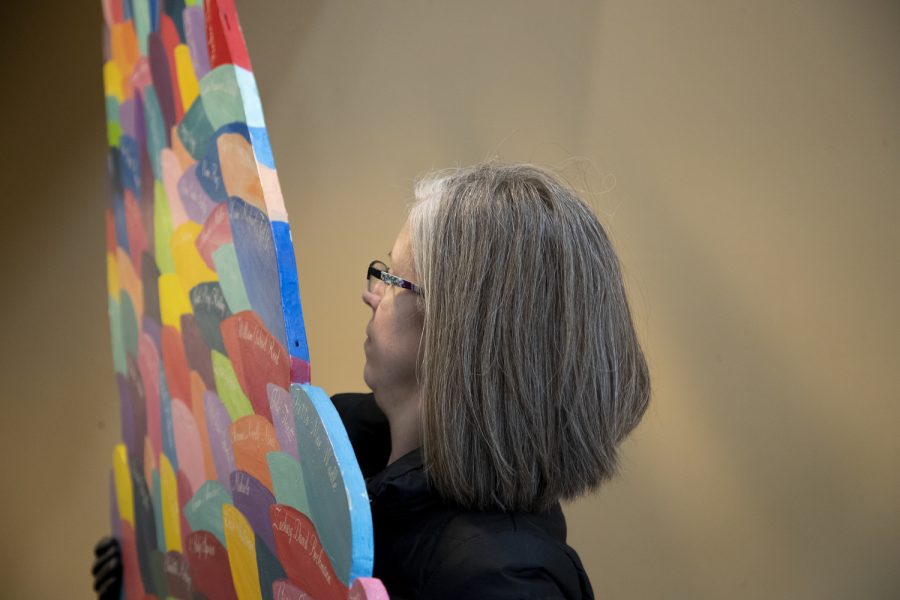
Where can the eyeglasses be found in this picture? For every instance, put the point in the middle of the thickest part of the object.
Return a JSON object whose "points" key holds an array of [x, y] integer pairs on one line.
{"points": [[377, 277]]}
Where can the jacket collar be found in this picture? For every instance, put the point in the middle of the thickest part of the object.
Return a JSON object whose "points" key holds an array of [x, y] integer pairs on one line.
{"points": [[402, 486]]}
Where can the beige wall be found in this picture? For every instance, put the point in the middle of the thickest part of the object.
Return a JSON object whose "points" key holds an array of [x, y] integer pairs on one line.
{"points": [[744, 156]]}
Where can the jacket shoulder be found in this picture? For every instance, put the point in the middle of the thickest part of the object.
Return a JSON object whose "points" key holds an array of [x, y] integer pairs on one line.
{"points": [[502, 556]]}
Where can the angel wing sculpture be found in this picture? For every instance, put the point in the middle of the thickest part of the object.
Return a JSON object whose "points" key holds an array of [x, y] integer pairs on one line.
{"points": [[235, 478]]}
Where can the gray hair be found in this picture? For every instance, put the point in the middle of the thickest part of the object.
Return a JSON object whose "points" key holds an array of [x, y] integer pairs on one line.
{"points": [[531, 372]]}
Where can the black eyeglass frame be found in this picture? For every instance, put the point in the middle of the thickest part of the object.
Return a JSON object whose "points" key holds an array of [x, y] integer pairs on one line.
{"points": [[387, 278]]}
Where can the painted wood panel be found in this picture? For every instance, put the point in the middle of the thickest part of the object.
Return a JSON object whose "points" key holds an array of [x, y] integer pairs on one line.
{"points": [[235, 477]]}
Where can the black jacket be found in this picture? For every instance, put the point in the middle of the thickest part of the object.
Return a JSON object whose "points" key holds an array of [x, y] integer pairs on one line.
{"points": [[427, 548]]}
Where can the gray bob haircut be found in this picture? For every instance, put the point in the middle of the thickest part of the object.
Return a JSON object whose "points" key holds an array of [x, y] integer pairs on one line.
{"points": [[531, 372]]}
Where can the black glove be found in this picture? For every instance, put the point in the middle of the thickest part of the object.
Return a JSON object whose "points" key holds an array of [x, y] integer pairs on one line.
{"points": [[107, 570]]}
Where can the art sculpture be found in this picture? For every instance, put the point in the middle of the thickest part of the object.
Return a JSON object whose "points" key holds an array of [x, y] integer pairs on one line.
{"points": [[235, 478]]}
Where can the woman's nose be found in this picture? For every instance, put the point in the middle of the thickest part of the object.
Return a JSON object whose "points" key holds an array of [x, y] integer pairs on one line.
{"points": [[371, 299]]}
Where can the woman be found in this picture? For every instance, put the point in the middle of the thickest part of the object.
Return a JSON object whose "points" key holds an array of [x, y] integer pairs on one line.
{"points": [[505, 371]]}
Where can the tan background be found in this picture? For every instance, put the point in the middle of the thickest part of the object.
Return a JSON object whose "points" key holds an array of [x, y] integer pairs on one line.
{"points": [[744, 155]]}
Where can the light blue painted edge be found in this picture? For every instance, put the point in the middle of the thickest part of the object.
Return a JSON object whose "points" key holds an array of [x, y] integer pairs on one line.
{"points": [[362, 539], [262, 148], [246, 83]]}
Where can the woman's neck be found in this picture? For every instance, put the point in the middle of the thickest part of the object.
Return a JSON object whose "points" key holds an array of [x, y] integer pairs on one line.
{"points": [[406, 428]]}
